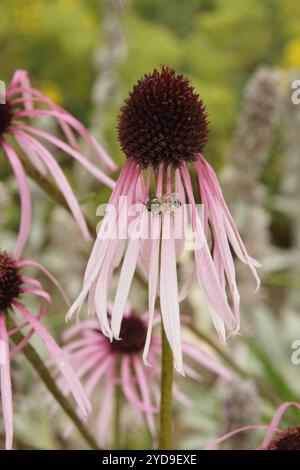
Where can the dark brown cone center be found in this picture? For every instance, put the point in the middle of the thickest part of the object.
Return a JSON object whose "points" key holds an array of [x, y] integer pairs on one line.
{"points": [[163, 121], [133, 335], [10, 281]]}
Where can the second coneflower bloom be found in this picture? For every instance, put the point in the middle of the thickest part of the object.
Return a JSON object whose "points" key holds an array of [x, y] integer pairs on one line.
{"points": [[19, 135], [163, 129], [14, 285], [104, 365]]}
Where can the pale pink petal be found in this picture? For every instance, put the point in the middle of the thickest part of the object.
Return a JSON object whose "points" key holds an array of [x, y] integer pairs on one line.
{"points": [[93, 169], [129, 387], [24, 196], [32, 157], [275, 421], [55, 282], [213, 444], [125, 183], [125, 280], [212, 179], [190, 278], [60, 359], [206, 271], [145, 392], [93, 380], [169, 301], [20, 77], [66, 120], [222, 247], [152, 292], [61, 182], [207, 361], [6, 393]]}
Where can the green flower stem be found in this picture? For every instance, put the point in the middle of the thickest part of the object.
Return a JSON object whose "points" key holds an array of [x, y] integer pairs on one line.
{"points": [[40, 368], [166, 415]]}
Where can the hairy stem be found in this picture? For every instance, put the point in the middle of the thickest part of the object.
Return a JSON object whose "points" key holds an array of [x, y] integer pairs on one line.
{"points": [[40, 368]]}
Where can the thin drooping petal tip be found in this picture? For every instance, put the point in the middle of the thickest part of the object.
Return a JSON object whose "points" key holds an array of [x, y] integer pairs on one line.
{"points": [[24, 103], [163, 121], [145, 361], [180, 370]]}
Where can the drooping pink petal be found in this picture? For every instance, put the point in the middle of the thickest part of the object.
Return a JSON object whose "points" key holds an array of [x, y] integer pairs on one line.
{"points": [[35, 264], [6, 393], [60, 359], [221, 246], [75, 329], [189, 280], [101, 291], [24, 196], [61, 182], [276, 420], [93, 169], [153, 267], [213, 444], [129, 387], [32, 157], [206, 271], [152, 290], [233, 234], [206, 361], [180, 217], [20, 79], [65, 119], [145, 392], [125, 280], [82, 347], [126, 180], [91, 383], [169, 301]]}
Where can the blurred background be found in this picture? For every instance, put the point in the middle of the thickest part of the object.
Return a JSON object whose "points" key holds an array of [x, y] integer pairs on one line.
{"points": [[242, 58]]}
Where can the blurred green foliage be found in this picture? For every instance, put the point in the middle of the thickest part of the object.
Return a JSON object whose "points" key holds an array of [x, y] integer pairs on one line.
{"points": [[218, 43]]}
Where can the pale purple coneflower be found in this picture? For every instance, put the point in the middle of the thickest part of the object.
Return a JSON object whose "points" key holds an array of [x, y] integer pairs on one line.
{"points": [[163, 129], [100, 362], [274, 439], [22, 104], [13, 286]]}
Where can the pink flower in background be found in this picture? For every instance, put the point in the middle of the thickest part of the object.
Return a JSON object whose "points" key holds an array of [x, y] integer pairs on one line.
{"points": [[13, 286], [17, 133], [163, 129], [99, 362], [274, 439]]}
